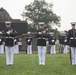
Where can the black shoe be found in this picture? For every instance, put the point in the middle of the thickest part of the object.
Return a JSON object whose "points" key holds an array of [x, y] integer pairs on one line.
{"points": [[9, 65]]}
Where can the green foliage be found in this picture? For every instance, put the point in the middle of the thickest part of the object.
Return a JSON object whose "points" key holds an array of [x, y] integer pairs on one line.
{"points": [[58, 64], [38, 11]]}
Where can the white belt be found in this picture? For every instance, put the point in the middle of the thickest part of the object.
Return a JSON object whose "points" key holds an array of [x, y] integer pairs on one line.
{"points": [[41, 38], [10, 37], [73, 38]]}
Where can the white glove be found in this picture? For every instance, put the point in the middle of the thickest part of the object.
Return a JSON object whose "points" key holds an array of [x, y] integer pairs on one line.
{"points": [[29, 40], [0, 39], [0, 32], [40, 32], [53, 40], [15, 40], [8, 32], [65, 40]]}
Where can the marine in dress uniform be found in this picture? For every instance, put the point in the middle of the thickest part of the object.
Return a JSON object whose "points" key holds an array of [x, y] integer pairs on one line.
{"points": [[29, 43], [65, 45], [41, 43], [1, 44], [52, 40], [61, 42], [16, 46], [9, 34], [71, 39]]}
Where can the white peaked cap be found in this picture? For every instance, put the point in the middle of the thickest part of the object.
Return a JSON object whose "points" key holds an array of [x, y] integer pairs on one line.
{"points": [[7, 22], [28, 32], [51, 33], [62, 32], [73, 23], [41, 23]]}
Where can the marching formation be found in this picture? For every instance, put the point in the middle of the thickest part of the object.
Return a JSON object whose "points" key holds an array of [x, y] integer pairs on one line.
{"points": [[67, 42]]}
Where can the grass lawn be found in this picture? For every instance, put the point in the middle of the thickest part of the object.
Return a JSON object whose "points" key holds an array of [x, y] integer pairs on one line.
{"points": [[58, 64]]}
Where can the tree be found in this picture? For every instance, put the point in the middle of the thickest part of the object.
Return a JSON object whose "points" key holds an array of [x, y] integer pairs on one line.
{"points": [[41, 11]]}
